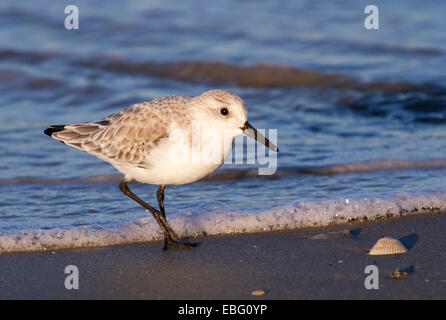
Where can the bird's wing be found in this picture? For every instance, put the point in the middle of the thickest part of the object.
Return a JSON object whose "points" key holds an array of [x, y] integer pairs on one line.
{"points": [[126, 136]]}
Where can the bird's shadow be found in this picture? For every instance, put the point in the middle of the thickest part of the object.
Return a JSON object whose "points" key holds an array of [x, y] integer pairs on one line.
{"points": [[409, 269], [197, 244]]}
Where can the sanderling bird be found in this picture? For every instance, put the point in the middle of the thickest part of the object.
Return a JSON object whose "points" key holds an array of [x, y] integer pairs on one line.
{"points": [[153, 142]]}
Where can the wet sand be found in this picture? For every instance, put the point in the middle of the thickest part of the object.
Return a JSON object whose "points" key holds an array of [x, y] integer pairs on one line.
{"points": [[286, 265]]}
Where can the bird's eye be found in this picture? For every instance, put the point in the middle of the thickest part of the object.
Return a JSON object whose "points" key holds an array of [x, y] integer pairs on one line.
{"points": [[224, 111]]}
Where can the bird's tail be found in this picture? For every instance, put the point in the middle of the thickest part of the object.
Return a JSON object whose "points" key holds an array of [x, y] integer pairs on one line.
{"points": [[76, 135], [64, 134], [51, 129]]}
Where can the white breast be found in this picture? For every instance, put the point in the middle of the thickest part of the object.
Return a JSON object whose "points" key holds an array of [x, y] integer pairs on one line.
{"points": [[180, 159]]}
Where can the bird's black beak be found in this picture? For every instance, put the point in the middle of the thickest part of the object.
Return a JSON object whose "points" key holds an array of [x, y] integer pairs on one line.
{"points": [[252, 132]]}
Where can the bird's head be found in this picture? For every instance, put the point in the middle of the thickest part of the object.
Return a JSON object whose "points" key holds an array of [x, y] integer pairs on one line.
{"points": [[226, 111]]}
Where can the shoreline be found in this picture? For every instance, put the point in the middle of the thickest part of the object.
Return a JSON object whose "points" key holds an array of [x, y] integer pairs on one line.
{"points": [[284, 264], [292, 216]]}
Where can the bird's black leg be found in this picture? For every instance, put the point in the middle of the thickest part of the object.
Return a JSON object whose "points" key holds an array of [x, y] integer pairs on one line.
{"points": [[160, 197], [156, 214], [168, 241], [169, 235]]}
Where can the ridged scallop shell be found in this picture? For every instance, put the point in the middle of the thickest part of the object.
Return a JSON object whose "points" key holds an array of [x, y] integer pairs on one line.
{"points": [[387, 245]]}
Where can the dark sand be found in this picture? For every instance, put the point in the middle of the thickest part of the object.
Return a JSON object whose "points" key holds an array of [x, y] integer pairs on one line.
{"points": [[284, 264]]}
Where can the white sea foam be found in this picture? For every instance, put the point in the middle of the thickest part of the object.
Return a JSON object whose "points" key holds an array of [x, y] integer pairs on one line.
{"points": [[209, 221]]}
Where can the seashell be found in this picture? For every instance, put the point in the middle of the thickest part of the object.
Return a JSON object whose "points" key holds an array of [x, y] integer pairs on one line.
{"points": [[399, 274], [387, 245]]}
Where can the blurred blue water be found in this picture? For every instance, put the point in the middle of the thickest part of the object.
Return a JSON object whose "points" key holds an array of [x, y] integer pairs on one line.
{"points": [[49, 75]]}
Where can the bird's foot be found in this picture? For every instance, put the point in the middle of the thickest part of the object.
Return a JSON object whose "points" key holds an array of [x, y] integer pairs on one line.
{"points": [[170, 243]]}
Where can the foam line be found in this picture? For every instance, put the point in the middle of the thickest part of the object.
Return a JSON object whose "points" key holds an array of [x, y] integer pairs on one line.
{"points": [[290, 216]]}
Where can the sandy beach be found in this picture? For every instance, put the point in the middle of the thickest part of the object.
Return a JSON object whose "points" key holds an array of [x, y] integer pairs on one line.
{"points": [[311, 263]]}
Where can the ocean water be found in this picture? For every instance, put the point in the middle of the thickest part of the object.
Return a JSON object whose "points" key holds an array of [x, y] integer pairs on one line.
{"points": [[360, 114]]}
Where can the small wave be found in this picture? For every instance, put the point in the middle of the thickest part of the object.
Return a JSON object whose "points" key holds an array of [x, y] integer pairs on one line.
{"points": [[222, 221], [371, 48], [259, 75], [17, 79], [37, 180], [428, 106], [344, 168], [375, 165], [32, 57]]}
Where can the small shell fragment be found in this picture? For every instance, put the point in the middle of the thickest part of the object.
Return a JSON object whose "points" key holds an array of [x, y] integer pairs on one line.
{"points": [[399, 274], [258, 293], [387, 245]]}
